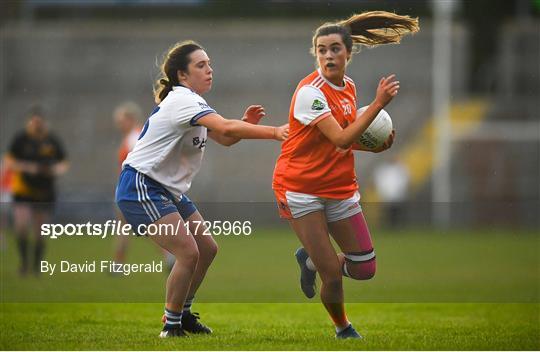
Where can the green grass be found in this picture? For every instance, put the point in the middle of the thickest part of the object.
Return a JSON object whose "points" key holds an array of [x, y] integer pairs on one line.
{"points": [[459, 290], [413, 266], [259, 326]]}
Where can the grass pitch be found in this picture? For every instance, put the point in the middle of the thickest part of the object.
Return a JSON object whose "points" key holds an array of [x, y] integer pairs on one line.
{"points": [[459, 290], [273, 326]]}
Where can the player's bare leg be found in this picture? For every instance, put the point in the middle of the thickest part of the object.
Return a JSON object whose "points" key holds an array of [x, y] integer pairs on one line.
{"points": [[122, 242], [183, 246], [312, 231], [22, 217], [120, 249], [207, 251], [40, 216], [358, 257]]}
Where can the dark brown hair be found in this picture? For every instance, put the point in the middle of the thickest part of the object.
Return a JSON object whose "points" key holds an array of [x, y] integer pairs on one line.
{"points": [[176, 59], [369, 28]]}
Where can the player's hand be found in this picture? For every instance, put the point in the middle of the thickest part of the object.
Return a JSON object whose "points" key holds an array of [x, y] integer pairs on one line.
{"points": [[386, 91], [281, 133], [387, 144], [60, 168], [253, 114]]}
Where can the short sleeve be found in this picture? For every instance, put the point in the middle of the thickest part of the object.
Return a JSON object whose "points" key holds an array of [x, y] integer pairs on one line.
{"points": [[192, 108], [310, 105]]}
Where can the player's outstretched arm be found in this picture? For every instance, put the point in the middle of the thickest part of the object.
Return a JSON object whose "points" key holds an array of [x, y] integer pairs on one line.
{"points": [[225, 130], [345, 137], [223, 140], [253, 115]]}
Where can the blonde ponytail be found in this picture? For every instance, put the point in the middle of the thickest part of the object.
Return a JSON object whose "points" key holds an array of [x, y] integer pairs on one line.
{"points": [[369, 28], [379, 27]]}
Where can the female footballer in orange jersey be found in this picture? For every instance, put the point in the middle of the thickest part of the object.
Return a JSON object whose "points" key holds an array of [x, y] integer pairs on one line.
{"points": [[314, 179]]}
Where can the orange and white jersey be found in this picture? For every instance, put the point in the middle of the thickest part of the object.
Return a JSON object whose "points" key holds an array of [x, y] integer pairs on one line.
{"points": [[127, 145], [309, 162]]}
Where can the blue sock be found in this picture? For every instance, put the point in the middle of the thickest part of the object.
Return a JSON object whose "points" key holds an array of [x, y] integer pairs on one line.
{"points": [[173, 320]]}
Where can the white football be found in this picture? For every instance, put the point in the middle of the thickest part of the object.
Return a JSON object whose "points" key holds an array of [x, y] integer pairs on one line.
{"points": [[379, 130]]}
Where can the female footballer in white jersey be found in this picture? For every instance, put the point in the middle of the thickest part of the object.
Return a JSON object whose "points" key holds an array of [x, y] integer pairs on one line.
{"points": [[159, 170]]}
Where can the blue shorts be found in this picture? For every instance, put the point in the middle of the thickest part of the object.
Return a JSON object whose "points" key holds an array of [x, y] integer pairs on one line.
{"points": [[144, 201]]}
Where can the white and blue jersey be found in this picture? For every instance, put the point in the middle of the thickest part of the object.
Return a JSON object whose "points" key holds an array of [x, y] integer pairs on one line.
{"points": [[171, 145], [165, 159]]}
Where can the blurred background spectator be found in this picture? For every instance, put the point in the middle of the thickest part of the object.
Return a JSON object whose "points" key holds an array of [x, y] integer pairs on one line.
{"points": [[391, 179], [36, 157]]}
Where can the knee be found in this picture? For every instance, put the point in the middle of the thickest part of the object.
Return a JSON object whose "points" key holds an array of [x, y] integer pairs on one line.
{"points": [[361, 271], [331, 277], [210, 251], [191, 258], [333, 284], [207, 251], [360, 266]]}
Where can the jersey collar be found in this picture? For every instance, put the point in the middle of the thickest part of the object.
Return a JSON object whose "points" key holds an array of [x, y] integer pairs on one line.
{"points": [[178, 87], [330, 83]]}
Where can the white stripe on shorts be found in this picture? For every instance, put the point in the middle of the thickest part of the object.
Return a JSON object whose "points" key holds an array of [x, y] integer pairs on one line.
{"points": [[140, 198], [152, 205]]}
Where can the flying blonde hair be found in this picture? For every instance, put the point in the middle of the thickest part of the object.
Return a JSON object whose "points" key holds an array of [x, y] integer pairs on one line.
{"points": [[370, 29]]}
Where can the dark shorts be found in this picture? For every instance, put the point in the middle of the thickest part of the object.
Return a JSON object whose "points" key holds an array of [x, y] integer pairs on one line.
{"points": [[144, 201]]}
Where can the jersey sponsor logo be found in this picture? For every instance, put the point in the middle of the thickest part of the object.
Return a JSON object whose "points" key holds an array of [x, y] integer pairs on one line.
{"points": [[317, 105], [199, 143], [203, 106], [165, 202]]}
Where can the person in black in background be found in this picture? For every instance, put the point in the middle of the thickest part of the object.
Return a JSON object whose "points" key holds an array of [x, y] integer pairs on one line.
{"points": [[36, 158]]}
